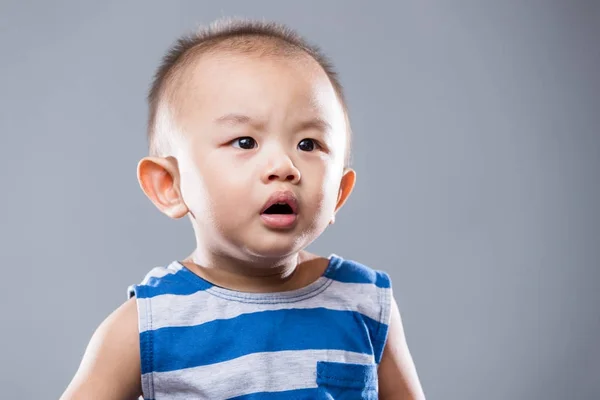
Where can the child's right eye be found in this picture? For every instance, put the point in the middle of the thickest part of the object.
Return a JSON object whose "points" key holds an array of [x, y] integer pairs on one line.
{"points": [[246, 143]]}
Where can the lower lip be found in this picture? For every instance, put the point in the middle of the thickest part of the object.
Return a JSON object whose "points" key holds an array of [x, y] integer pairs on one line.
{"points": [[279, 220]]}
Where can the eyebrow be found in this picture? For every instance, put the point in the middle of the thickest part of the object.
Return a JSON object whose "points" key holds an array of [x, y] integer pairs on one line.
{"points": [[314, 123], [233, 119], [241, 119]]}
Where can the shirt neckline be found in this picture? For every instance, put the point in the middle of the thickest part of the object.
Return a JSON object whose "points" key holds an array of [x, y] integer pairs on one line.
{"points": [[289, 296]]}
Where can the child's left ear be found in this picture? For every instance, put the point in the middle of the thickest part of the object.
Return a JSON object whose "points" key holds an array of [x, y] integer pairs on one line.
{"points": [[346, 186]]}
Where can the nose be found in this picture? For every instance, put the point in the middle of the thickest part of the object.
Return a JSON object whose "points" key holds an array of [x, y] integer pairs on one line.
{"points": [[281, 168]]}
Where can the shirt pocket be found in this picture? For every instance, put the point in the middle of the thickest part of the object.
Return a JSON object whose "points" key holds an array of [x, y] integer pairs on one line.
{"points": [[345, 381]]}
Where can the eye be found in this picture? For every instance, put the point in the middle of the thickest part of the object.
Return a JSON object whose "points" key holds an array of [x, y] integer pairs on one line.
{"points": [[246, 143], [307, 145]]}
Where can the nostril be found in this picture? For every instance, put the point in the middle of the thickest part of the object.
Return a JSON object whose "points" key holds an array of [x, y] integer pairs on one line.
{"points": [[290, 177]]}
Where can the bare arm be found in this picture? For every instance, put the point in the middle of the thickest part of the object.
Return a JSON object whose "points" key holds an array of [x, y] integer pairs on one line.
{"points": [[398, 379], [110, 369]]}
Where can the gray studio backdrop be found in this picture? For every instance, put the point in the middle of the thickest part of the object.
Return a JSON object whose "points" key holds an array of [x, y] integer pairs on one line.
{"points": [[477, 147]]}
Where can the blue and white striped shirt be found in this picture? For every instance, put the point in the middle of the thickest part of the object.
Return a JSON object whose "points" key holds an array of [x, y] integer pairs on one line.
{"points": [[200, 341]]}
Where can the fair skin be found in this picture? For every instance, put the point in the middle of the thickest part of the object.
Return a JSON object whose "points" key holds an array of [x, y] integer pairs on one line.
{"points": [[258, 125]]}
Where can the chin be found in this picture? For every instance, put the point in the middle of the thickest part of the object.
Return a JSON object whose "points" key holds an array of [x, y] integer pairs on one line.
{"points": [[273, 252], [275, 246]]}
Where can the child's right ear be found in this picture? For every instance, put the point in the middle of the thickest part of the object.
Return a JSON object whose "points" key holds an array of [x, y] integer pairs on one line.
{"points": [[159, 179]]}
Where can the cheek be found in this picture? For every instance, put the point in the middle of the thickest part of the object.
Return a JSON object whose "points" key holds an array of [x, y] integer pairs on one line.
{"points": [[212, 186], [228, 198], [326, 192], [330, 200], [197, 187], [194, 191]]}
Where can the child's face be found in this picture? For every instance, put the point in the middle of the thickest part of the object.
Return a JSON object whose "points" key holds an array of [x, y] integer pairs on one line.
{"points": [[251, 127]]}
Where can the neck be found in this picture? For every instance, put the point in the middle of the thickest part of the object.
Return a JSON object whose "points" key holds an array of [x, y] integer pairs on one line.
{"points": [[254, 275]]}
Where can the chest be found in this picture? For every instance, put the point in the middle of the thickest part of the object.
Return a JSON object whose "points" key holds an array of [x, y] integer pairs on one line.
{"points": [[303, 351]]}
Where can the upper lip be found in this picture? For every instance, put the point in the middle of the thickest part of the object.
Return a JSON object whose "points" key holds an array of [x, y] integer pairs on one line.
{"points": [[283, 196]]}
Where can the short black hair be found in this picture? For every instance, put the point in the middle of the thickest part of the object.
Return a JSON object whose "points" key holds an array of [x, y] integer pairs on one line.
{"points": [[241, 36]]}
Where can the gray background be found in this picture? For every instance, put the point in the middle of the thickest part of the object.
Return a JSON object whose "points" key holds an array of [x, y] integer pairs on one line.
{"points": [[478, 157]]}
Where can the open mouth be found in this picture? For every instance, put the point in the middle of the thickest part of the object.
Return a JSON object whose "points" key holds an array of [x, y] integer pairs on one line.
{"points": [[279, 208], [281, 203], [280, 211]]}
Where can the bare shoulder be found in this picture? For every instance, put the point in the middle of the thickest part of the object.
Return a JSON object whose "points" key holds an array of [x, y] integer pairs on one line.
{"points": [[398, 379], [110, 368]]}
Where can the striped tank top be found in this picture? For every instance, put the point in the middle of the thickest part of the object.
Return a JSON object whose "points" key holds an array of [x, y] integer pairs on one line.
{"points": [[323, 341]]}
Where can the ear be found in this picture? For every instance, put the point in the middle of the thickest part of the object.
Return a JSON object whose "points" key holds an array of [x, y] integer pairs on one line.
{"points": [[346, 186], [159, 179]]}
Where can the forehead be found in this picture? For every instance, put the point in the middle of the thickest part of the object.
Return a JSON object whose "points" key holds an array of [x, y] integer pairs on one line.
{"points": [[262, 86]]}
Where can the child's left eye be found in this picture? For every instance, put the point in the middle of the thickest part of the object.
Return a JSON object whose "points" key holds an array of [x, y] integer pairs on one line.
{"points": [[307, 145]]}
